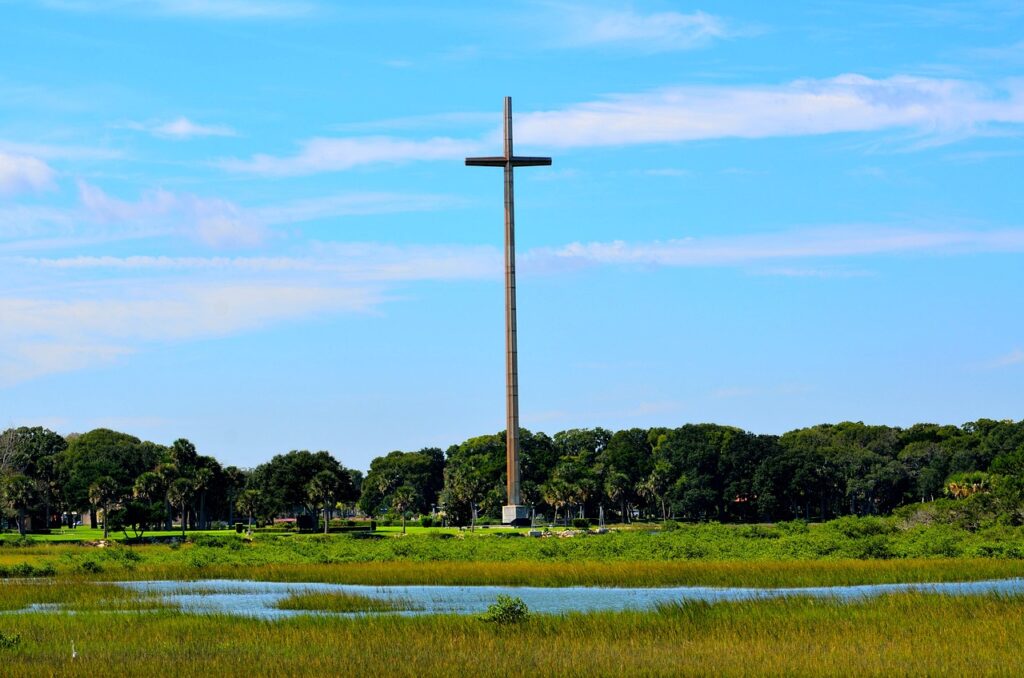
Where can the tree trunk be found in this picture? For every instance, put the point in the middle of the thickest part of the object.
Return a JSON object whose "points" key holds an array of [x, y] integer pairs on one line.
{"points": [[202, 512], [403, 522], [326, 521], [106, 522], [21, 522], [184, 516], [169, 524]]}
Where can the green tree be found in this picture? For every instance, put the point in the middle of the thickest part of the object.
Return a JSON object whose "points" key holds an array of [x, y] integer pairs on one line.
{"points": [[102, 493], [201, 481], [179, 494], [402, 500], [321, 490], [249, 503], [18, 493]]}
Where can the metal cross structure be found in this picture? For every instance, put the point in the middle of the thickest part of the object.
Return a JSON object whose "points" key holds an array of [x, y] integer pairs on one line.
{"points": [[514, 512]]}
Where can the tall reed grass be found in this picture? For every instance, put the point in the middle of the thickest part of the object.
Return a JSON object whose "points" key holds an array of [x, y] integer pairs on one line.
{"points": [[908, 634]]}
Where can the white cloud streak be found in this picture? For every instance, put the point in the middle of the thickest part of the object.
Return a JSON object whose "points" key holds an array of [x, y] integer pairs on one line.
{"points": [[144, 301], [182, 128], [847, 103], [586, 26], [938, 109], [838, 242], [22, 173], [214, 222], [333, 155], [45, 336]]}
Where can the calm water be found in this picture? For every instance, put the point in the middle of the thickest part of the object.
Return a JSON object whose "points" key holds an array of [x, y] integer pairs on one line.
{"points": [[257, 599]]}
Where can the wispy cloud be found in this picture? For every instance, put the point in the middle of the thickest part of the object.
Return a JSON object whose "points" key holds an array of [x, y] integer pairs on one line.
{"points": [[333, 155], [847, 103], [1014, 357], [197, 9], [45, 336], [22, 173], [933, 110], [587, 26], [181, 128], [381, 262], [143, 301], [817, 243], [215, 222]]}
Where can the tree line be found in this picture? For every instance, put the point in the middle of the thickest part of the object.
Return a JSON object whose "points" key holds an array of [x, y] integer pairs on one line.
{"points": [[698, 472]]}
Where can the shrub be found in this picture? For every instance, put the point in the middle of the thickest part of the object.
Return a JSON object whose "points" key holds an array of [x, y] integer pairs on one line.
{"points": [[581, 523], [9, 642], [669, 526], [507, 610], [90, 567], [426, 521], [854, 527], [792, 526]]}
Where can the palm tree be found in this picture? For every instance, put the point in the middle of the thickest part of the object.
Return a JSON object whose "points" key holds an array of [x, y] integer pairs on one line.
{"points": [[615, 487], [402, 500], [101, 494], [167, 473], [200, 484], [321, 490], [179, 494], [249, 503], [18, 493]]}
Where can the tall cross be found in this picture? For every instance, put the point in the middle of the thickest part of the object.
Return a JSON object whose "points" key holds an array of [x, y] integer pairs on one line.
{"points": [[514, 512]]}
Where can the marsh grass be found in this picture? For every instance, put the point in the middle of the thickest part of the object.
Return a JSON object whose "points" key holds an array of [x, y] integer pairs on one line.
{"points": [[906, 634], [338, 601], [709, 555], [75, 595]]}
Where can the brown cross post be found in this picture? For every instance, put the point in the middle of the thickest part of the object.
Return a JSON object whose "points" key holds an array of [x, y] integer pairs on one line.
{"points": [[514, 512]]}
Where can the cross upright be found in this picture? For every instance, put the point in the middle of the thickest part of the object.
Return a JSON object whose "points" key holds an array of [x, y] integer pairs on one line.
{"points": [[514, 512]]}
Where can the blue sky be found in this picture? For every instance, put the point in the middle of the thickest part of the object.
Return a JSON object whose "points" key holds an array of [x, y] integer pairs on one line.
{"points": [[248, 223]]}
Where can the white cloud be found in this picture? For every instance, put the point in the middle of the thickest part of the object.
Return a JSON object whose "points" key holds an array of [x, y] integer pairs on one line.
{"points": [[45, 336], [22, 173], [333, 155], [817, 243], [847, 103], [348, 262], [198, 9], [183, 128], [663, 31], [937, 109], [1014, 357], [382, 262], [215, 222]]}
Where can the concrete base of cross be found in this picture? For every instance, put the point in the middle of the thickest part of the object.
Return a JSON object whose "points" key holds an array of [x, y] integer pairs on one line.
{"points": [[516, 515]]}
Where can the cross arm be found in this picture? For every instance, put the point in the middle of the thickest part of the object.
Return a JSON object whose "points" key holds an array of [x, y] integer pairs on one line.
{"points": [[529, 161], [494, 161]]}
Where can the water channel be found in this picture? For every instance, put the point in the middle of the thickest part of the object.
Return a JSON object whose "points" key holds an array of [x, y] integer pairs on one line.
{"points": [[258, 598]]}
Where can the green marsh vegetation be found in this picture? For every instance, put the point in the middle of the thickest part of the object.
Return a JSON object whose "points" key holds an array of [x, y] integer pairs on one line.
{"points": [[846, 551], [908, 634], [337, 601]]}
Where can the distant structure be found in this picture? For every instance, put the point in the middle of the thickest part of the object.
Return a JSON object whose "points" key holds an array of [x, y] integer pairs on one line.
{"points": [[514, 512]]}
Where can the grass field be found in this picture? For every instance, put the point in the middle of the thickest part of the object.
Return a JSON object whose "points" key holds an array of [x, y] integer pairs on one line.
{"points": [[894, 635]]}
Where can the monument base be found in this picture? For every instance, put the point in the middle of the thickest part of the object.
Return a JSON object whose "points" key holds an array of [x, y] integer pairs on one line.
{"points": [[515, 515]]}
